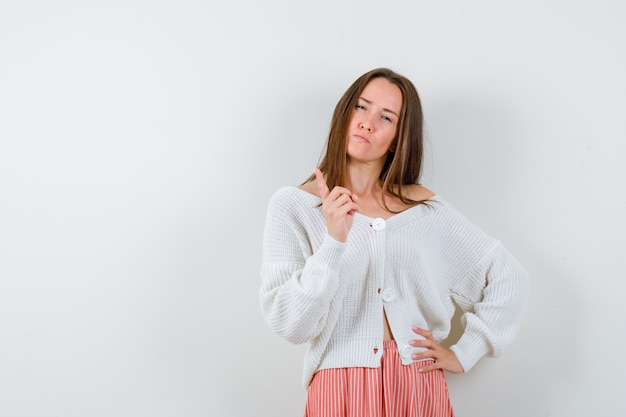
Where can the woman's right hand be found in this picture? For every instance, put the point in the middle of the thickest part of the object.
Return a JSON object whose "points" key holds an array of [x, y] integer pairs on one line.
{"points": [[339, 207]]}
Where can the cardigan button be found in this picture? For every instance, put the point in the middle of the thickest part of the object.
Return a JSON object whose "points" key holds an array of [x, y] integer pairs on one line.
{"points": [[379, 224], [388, 295], [406, 352]]}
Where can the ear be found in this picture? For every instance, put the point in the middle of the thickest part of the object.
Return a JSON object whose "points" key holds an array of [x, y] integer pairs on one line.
{"points": [[392, 147]]}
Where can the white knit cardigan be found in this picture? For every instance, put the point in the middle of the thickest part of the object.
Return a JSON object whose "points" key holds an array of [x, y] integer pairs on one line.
{"points": [[417, 265]]}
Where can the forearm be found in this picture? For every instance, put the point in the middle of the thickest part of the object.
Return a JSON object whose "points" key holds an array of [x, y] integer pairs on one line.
{"points": [[295, 296], [493, 322]]}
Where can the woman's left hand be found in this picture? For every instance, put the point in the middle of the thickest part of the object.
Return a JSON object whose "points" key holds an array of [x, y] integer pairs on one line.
{"points": [[444, 358]]}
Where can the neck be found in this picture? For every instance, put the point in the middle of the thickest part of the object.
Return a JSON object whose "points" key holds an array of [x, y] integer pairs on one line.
{"points": [[363, 180]]}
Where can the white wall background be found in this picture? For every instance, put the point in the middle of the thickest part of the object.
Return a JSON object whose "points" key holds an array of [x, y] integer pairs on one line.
{"points": [[141, 140]]}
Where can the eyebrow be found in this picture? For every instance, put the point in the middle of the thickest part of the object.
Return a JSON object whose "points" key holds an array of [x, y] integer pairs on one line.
{"points": [[384, 109]]}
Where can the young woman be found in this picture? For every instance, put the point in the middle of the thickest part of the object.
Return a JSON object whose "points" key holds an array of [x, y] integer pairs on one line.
{"points": [[367, 267]]}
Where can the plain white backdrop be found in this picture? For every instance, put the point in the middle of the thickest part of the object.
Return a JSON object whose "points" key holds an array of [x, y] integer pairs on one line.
{"points": [[141, 140]]}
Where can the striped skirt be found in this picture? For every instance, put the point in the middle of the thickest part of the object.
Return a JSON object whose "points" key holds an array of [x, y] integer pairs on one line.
{"points": [[393, 390]]}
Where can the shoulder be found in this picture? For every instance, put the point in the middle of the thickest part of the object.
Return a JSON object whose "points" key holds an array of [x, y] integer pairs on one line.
{"points": [[290, 198], [457, 234], [291, 212], [418, 192], [310, 187], [414, 192]]}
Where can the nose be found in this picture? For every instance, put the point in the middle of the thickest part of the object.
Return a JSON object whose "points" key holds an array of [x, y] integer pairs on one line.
{"points": [[366, 125]]}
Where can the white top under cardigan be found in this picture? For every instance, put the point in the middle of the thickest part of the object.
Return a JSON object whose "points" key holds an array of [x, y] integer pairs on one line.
{"points": [[416, 264]]}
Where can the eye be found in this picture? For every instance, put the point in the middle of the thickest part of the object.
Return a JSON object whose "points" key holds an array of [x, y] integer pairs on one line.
{"points": [[386, 118], [360, 106]]}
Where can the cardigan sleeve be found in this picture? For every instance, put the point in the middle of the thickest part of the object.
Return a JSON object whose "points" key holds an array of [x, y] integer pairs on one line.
{"points": [[297, 285], [493, 296]]}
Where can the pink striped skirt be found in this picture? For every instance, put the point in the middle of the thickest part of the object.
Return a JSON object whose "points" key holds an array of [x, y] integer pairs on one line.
{"points": [[393, 390]]}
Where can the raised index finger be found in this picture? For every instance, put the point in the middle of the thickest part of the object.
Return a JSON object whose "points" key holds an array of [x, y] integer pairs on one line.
{"points": [[321, 183]]}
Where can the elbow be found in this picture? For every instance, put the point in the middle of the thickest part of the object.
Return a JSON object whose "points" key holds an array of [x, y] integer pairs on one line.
{"points": [[294, 336], [293, 326], [292, 330]]}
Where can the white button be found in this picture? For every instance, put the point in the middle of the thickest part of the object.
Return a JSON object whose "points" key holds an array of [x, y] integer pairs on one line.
{"points": [[388, 295], [406, 351], [379, 224]]}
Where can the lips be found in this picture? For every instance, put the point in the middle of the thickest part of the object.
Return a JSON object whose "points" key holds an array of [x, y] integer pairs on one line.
{"points": [[361, 138]]}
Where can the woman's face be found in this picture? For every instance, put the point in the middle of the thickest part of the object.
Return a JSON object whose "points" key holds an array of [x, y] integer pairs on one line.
{"points": [[374, 122]]}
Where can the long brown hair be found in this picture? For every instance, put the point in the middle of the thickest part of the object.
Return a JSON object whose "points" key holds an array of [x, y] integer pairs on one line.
{"points": [[404, 165]]}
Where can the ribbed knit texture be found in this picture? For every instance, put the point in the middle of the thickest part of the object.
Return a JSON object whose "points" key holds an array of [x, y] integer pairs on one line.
{"points": [[331, 295]]}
